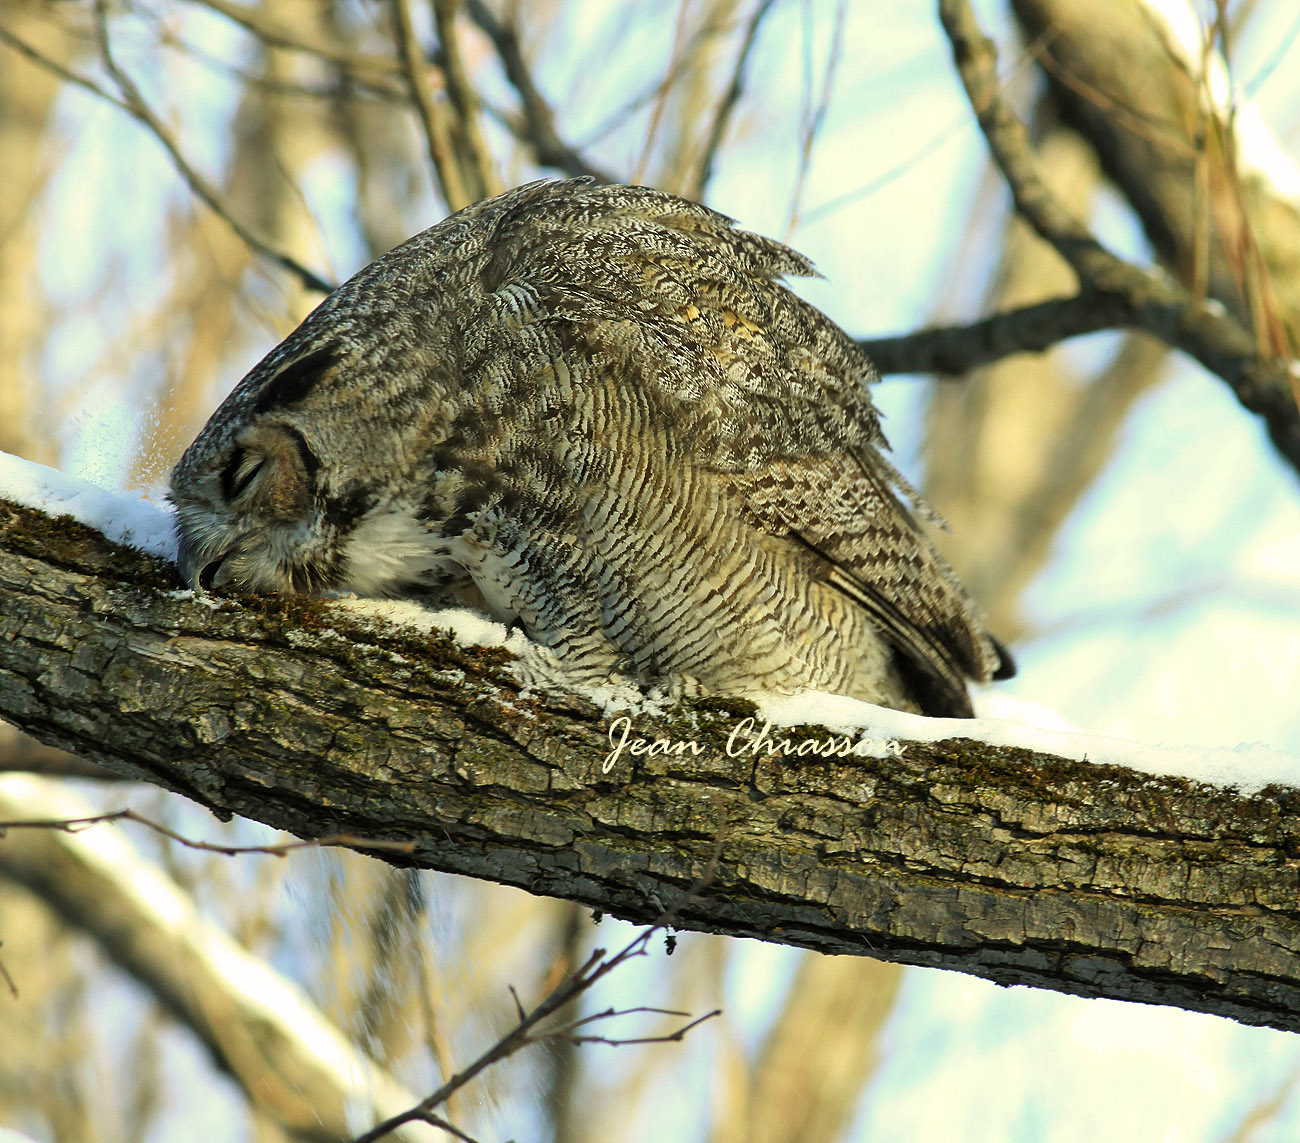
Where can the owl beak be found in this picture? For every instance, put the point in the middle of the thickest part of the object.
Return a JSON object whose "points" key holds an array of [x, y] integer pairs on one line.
{"points": [[197, 572], [188, 565]]}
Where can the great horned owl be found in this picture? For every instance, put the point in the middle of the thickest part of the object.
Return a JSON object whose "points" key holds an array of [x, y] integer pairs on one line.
{"points": [[597, 411]]}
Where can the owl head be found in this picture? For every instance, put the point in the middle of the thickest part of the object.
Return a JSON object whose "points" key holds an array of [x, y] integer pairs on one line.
{"points": [[247, 492], [313, 475]]}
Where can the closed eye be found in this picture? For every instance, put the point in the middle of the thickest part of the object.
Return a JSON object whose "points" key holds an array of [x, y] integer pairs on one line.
{"points": [[240, 471]]}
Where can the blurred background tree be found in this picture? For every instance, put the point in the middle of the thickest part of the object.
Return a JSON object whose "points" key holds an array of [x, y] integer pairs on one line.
{"points": [[181, 178]]}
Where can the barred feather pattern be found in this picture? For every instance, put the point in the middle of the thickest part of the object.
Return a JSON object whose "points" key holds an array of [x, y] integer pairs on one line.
{"points": [[596, 412]]}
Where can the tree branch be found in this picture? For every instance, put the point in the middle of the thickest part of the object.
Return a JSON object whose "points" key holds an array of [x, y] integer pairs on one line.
{"points": [[1155, 303], [376, 72], [290, 1061], [957, 349], [1022, 868], [475, 159], [726, 106], [434, 118], [136, 105]]}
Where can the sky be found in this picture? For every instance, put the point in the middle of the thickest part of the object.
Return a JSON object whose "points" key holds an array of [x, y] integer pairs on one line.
{"points": [[1168, 612]]}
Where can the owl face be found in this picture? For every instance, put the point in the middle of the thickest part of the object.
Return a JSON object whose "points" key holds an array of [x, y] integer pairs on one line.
{"points": [[250, 517], [283, 501]]}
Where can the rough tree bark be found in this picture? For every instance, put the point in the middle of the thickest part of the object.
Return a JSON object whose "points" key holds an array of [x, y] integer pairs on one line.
{"points": [[1018, 867]]}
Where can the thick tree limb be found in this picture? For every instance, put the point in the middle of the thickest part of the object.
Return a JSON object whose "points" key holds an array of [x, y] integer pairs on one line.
{"points": [[1018, 867]]}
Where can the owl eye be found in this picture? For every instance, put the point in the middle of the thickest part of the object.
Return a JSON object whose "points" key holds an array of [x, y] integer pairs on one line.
{"points": [[240, 471]]}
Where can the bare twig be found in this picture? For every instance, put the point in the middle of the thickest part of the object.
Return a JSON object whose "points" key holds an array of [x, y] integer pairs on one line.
{"points": [[570, 1031], [134, 104], [281, 849], [379, 72], [815, 117], [679, 53], [596, 967], [55, 68], [1245, 257], [1161, 306], [433, 116], [1132, 118], [9, 980], [342, 82]]}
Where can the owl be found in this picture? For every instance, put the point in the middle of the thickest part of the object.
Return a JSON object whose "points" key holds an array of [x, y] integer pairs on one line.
{"points": [[596, 413]]}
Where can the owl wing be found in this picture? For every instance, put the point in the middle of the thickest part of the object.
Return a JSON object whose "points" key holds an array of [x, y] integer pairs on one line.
{"points": [[867, 546], [828, 487], [772, 396], [758, 387]]}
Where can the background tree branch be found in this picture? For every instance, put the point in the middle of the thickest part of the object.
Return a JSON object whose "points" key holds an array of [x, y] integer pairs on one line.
{"points": [[1257, 370], [1022, 868], [290, 1060]]}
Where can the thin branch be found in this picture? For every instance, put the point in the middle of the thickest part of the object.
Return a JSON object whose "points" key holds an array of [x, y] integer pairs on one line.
{"points": [[135, 105], [726, 107], [538, 129], [678, 64], [433, 116], [614, 1013], [910, 162], [1161, 306], [596, 968], [8, 980], [291, 1061], [55, 68], [342, 83], [376, 71], [280, 849], [1154, 131], [476, 165], [675, 1037], [957, 349], [681, 51], [817, 116]]}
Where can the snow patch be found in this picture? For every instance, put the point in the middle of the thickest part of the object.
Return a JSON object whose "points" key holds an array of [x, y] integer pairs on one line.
{"points": [[1248, 768], [125, 517], [468, 628]]}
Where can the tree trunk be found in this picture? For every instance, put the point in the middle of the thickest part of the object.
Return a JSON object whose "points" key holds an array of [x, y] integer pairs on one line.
{"points": [[1019, 867]]}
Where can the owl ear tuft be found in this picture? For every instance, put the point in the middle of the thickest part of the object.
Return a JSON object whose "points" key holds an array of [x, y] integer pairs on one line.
{"points": [[295, 380], [271, 472]]}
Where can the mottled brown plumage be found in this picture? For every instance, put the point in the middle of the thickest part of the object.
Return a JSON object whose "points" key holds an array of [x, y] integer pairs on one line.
{"points": [[596, 411]]}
